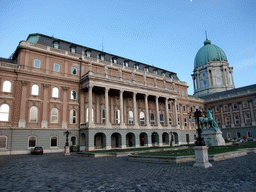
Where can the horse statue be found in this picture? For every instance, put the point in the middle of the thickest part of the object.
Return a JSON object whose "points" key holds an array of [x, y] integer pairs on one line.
{"points": [[209, 121]]}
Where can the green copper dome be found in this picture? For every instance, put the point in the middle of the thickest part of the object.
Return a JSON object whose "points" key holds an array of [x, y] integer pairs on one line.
{"points": [[209, 52]]}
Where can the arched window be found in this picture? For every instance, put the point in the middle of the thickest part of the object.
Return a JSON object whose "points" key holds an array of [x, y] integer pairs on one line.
{"points": [[235, 106], [130, 117], [73, 116], [227, 119], [245, 104], [37, 63], [7, 86], [55, 92], [56, 67], [35, 89], [161, 119], [178, 121], [54, 115], [74, 71], [247, 118], [33, 114], [118, 116], [103, 116], [4, 112], [169, 106], [73, 94], [142, 118], [218, 121], [3, 142], [170, 120], [32, 141], [225, 107], [152, 119], [87, 115]]}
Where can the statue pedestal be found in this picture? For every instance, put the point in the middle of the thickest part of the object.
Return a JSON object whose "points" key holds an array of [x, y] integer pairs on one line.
{"points": [[201, 155], [66, 150], [213, 137]]}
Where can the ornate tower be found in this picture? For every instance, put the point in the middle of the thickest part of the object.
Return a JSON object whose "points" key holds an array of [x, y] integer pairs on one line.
{"points": [[211, 71]]}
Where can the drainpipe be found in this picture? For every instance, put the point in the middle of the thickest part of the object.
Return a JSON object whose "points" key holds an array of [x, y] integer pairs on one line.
{"points": [[79, 104]]}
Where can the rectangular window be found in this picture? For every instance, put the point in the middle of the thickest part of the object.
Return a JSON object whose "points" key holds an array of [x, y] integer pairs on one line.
{"points": [[169, 106], [37, 63], [3, 142], [54, 142], [74, 71], [184, 108], [32, 142], [56, 67]]}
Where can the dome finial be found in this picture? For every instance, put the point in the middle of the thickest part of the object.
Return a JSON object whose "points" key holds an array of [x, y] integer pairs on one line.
{"points": [[206, 35]]}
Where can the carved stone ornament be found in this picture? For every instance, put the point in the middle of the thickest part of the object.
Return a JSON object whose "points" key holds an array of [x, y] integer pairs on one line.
{"points": [[24, 83], [46, 85], [64, 88]]}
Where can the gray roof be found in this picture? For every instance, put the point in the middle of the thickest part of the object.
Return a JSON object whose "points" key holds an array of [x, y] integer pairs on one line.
{"points": [[233, 92]]}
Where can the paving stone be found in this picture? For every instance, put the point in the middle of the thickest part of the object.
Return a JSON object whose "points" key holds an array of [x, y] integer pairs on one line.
{"points": [[56, 172]]}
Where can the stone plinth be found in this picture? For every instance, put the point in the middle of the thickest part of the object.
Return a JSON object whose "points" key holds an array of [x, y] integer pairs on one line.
{"points": [[201, 156], [213, 137], [66, 150]]}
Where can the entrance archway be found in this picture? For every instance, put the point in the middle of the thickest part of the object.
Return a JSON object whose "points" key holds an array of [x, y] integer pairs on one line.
{"points": [[176, 138], [99, 141], [116, 140], [130, 140], [165, 138], [155, 138], [143, 139]]}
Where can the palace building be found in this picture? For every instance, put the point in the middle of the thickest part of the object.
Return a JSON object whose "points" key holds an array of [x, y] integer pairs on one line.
{"points": [[111, 102]]}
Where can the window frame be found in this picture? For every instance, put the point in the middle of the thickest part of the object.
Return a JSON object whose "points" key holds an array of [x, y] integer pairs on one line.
{"points": [[29, 142], [54, 67], [7, 86], [130, 117], [118, 116], [35, 88], [76, 70], [51, 146], [142, 120], [39, 63], [152, 121], [73, 117], [36, 121], [4, 113], [6, 138], [71, 95], [57, 119], [103, 116], [170, 120], [161, 118], [58, 93]]}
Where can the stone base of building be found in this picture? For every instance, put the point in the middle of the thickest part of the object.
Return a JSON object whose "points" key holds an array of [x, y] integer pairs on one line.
{"points": [[213, 137], [201, 156]]}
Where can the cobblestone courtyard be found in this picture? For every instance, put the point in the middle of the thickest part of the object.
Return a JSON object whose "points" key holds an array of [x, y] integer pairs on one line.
{"points": [[56, 172]]}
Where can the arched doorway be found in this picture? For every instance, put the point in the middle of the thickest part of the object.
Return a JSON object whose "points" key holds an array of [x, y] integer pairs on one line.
{"points": [[116, 140], [143, 139], [176, 138], [130, 140], [155, 138], [99, 141], [165, 138]]}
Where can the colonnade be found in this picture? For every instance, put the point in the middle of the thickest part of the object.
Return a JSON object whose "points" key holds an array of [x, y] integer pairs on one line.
{"points": [[135, 113]]}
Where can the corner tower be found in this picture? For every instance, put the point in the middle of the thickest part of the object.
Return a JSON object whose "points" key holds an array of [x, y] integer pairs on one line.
{"points": [[211, 71]]}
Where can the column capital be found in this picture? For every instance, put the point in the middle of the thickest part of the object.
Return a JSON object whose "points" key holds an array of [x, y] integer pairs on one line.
{"points": [[157, 97], [121, 91], [64, 88], [90, 86], [135, 93], [46, 85], [24, 83], [107, 89]]}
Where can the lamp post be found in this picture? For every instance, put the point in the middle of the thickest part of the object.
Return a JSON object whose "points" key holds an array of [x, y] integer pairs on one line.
{"points": [[66, 148], [199, 139]]}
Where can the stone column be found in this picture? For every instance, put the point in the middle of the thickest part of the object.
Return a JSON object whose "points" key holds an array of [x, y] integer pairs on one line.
{"points": [[22, 121], [233, 83], [135, 116], [252, 114], [194, 83], [224, 76], [44, 123], [241, 114], [90, 122], [121, 108], [175, 112], [64, 112], [98, 111], [166, 111], [157, 112], [146, 110], [231, 115], [198, 80], [222, 117], [82, 115], [106, 106]]}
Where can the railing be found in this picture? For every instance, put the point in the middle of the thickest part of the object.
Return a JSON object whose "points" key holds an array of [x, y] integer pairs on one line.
{"points": [[9, 65]]}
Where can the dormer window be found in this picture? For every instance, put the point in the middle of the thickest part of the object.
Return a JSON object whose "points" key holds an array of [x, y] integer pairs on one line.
{"points": [[126, 64], [72, 49], [102, 57], [114, 60], [164, 74], [171, 76], [146, 69], [87, 53], [137, 66], [56, 45], [156, 72]]}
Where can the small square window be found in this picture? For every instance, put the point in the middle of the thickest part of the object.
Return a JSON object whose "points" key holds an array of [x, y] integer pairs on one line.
{"points": [[114, 60], [56, 45], [37, 63], [74, 71], [156, 72], [146, 69], [73, 49], [87, 53], [126, 64], [102, 57], [56, 67]]}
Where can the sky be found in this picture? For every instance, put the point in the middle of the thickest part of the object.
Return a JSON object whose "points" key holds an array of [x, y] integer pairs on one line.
{"points": [[163, 33]]}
